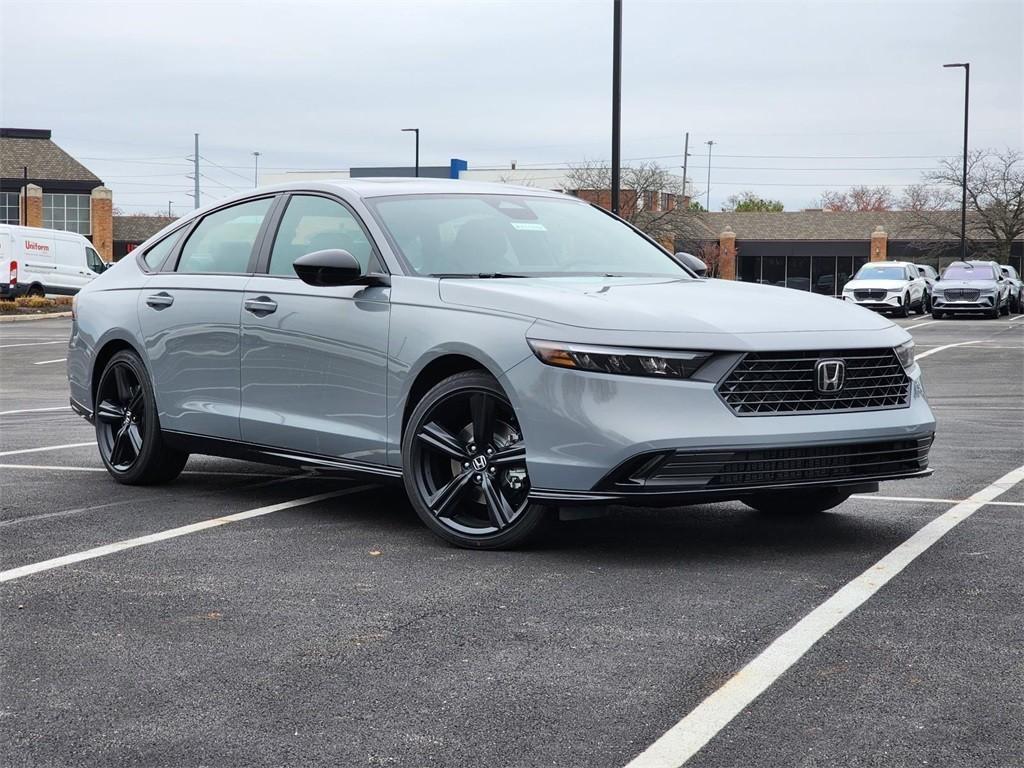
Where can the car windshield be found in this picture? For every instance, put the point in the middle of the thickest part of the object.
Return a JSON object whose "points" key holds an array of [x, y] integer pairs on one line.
{"points": [[513, 235], [967, 273], [869, 272]]}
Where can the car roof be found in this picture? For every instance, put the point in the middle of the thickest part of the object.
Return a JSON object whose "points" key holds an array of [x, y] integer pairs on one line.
{"points": [[382, 186], [890, 264]]}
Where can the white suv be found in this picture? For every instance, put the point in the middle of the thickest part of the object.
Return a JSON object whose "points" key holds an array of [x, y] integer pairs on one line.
{"points": [[888, 286]]}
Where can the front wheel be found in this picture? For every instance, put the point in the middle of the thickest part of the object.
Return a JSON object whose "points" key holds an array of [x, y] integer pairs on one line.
{"points": [[904, 310], [936, 315], [127, 426], [807, 502], [464, 462]]}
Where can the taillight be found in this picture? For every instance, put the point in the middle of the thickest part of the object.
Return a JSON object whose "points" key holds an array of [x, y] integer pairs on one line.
{"points": [[14, 273]]}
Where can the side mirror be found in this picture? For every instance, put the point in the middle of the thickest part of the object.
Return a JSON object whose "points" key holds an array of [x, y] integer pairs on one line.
{"points": [[692, 263], [328, 268]]}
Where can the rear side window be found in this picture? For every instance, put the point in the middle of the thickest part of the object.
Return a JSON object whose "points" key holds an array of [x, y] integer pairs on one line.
{"points": [[224, 240], [313, 223], [157, 254]]}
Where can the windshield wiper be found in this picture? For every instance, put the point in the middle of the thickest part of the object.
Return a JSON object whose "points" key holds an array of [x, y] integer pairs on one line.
{"points": [[480, 275]]}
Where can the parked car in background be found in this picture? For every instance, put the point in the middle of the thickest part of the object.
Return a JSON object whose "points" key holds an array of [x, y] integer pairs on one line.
{"points": [[888, 286], [46, 261], [930, 276], [503, 351], [1016, 287], [971, 287]]}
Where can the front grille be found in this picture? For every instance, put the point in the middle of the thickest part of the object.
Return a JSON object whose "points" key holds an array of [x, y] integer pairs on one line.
{"points": [[962, 294], [769, 383], [729, 468], [872, 294]]}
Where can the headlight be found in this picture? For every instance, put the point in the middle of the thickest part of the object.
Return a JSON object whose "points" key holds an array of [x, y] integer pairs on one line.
{"points": [[905, 353], [625, 361]]}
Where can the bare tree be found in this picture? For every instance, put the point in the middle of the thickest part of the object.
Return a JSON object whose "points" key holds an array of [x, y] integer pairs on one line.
{"points": [[923, 197], [995, 204], [651, 199], [859, 198]]}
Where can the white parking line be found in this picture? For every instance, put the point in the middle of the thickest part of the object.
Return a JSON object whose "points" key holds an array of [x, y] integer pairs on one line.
{"points": [[925, 500], [33, 344], [47, 448], [947, 346], [36, 410], [920, 325], [47, 362], [690, 734], [171, 533]]}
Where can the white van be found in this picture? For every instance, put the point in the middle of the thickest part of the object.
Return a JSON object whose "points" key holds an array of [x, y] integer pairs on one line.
{"points": [[42, 261]]}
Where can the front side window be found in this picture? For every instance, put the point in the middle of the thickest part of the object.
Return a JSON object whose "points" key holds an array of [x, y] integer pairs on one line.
{"points": [[10, 211], [157, 254], [312, 223], [224, 240], [70, 213], [94, 261], [869, 272], [471, 235]]}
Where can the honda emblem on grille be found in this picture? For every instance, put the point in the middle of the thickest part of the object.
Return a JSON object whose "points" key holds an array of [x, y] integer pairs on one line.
{"points": [[829, 376]]}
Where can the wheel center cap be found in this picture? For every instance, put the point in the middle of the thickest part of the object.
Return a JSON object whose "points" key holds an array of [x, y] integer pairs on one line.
{"points": [[479, 462]]}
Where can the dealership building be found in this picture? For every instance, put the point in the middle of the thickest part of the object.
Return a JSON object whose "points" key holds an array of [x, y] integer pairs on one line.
{"points": [[41, 185]]}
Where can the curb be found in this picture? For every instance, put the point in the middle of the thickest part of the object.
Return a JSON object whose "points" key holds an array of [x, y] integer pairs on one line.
{"points": [[25, 318]]}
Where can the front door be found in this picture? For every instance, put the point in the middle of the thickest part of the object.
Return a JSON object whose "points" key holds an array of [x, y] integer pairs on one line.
{"points": [[190, 321], [314, 359]]}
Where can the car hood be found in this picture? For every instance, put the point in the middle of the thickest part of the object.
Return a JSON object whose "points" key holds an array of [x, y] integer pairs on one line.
{"points": [[982, 284], [662, 305], [888, 285]]}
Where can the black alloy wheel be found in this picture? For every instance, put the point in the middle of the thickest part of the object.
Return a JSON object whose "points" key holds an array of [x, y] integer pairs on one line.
{"points": [[465, 465], [127, 426]]}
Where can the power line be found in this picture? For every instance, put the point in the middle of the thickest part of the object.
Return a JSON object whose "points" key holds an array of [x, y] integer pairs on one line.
{"points": [[226, 168]]}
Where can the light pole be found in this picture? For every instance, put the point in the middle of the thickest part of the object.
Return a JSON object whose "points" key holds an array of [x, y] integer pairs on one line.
{"points": [[417, 132], [169, 214], [616, 100], [256, 169], [963, 200], [710, 145]]}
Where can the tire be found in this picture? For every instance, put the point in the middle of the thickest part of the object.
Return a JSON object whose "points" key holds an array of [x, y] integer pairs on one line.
{"points": [[936, 315], [36, 290], [464, 465], [808, 502], [1006, 308], [926, 304], [1015, 305], [995, 312], [904, 310], [128, 427]]}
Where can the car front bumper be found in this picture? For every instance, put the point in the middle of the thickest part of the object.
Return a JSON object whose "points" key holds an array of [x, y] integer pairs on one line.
{"points": [[582, 427], [983, 304], [881, 305]]}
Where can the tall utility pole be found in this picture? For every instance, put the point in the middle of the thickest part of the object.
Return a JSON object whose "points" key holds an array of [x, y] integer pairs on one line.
{"points": [[710, 145], [23, 200], [169, 208], [417, 132], [963, 201], [195, 170], [256, 170], [616, 99], [686, 157]]}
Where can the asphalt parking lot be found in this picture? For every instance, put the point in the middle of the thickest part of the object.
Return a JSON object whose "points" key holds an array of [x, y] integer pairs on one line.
{"points": [[341, 632]]}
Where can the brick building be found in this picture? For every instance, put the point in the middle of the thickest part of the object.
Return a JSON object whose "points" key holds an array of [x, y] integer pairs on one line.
{"points": [[820, 250], [41, 185], [133, 230]]}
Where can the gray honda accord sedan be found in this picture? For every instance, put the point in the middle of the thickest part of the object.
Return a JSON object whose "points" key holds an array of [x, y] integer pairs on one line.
{"points": [[505, 352]]}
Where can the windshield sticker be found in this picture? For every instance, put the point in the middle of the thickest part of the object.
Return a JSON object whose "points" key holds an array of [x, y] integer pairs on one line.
{"points": [[530, 226]]}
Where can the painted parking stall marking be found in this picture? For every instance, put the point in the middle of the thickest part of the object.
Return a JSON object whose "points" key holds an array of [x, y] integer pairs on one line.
{"points": [[171, 533], [47, 362], [689, 735], [47, 448]]}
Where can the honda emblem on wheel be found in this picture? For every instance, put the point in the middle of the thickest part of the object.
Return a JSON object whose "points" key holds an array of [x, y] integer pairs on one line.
{"points": [[479, 462], [829, 376]]}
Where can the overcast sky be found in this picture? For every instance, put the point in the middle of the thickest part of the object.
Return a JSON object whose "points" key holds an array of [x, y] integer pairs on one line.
{"points": [[798, 97]]}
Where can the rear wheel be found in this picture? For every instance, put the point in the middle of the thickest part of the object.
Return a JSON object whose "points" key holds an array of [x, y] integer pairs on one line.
{"points": [[127, 426], [36, 291], [1015, 304], [797, 502], [1006, 308], [465, 465]]}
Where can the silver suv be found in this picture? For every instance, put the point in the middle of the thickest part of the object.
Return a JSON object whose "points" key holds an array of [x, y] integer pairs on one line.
{"points": [[1016, 287], [971, 287]]}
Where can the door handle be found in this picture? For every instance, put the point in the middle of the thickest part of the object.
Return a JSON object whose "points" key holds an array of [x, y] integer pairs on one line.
{"points": [[160, 300], [263, 305]]}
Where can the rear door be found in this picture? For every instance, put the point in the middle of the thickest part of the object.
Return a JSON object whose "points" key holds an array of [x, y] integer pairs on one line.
{"points": [[189, 316], [313, 358]]}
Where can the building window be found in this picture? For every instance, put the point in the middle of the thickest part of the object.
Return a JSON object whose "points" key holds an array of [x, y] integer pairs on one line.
{"points": [[10, 212], [67, 212]]}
